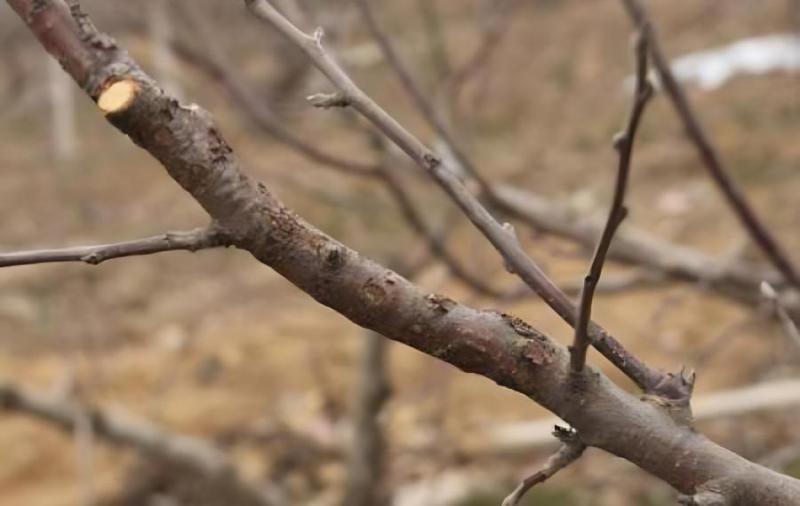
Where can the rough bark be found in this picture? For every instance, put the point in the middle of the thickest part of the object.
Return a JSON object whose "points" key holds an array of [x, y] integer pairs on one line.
{"points": [[186, 141]]}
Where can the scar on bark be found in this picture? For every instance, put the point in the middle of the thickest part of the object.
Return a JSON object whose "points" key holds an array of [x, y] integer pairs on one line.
{"points": [[118, 96]]}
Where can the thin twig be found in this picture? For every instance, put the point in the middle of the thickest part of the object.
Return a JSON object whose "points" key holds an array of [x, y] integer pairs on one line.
{"points": [[708, 153], [192, 240], [421, 102], [504, 242], [571, 449], [437, 246], [623, 143], [214, 63], [789, 326]]}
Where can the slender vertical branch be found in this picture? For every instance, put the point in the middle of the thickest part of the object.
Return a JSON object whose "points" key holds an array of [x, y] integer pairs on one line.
{"points": [[708, 153], [623, 143]]}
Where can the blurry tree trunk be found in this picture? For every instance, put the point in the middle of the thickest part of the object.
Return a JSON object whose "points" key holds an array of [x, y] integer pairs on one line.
{"points": [[84, 454], [366, 485], [164, 61], [62, 113]]}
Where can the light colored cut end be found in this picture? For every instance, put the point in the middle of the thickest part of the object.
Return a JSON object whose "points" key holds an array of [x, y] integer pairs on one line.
{"points": [[118, 96]]}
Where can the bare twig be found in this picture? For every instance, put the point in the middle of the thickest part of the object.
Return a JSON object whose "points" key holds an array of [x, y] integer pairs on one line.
{"points": [[571, 449], [789, 326], [708, 153], [504, 242], [193, 240], [215, 64], [437, 246], [623, 143], [421, 102]]}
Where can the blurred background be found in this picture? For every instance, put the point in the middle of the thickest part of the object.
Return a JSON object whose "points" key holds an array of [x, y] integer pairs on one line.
{"points": [[215, 346]]}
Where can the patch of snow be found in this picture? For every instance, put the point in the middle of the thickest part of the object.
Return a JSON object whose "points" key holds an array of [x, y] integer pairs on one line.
{"points": [[712, 68]]}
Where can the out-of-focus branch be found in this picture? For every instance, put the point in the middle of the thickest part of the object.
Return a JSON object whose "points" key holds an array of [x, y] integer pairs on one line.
{"points": [[504, 240], [125, 430], [571, 450], [623, 143], [495, 28], [708, 153], [435, 33], [213, 63], [414, 90], [365, 481], [437, 246], [193, 240]]}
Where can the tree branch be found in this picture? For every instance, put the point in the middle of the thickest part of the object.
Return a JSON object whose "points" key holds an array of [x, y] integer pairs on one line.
{"points": [[623, 143], [708, 153], [193, 240], [415, 220]]}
